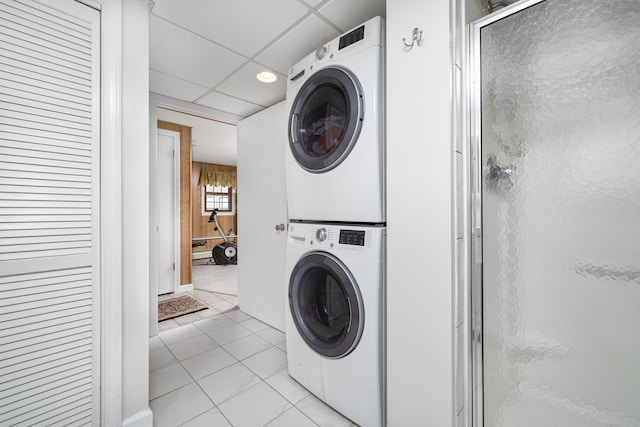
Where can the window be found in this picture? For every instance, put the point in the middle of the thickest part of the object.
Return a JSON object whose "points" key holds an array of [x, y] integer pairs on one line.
{"points": [[218, 197]]}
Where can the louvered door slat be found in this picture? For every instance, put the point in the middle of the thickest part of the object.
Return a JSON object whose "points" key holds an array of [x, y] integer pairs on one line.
{"points": [[46, 197], [44, 333], [8, 337], [75, 26], [29, 121], [32, 43], [59, 185], [49, 188], [53, 80], [43, 225], [50, 117], [10, 94], [57, 74], [29, 24], [18, 128], [60, 278], [36, 408], [53, 372], [42, 191], [21, 300], [29, 389], [54, 404], [65, 339], [45, 318], [67, 353], [73, 418], [49, 217], [27, 242], [59, 417], [40, 143], [42, 153], [29, 81], [35, 306], [31, 396], [30, 18]]}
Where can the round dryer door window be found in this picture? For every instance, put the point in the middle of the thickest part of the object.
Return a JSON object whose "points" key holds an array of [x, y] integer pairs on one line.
{"points": [[325, 120], [326, 305]]}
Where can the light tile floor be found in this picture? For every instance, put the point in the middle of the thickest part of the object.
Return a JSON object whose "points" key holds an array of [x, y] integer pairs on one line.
{"points": [[221, 367]]}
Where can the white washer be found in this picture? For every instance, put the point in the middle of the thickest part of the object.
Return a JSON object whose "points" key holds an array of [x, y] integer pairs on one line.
{"points": [[335, 324], [335, 162]]}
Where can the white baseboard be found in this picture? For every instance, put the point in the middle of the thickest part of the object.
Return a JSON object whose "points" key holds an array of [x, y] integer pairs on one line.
{"points": [[201, 254], [185, 288], [141, 419]]}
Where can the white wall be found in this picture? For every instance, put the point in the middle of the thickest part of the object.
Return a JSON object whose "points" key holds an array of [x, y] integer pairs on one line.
{"points": [[262, 204], [419, 217], [135, 213]]}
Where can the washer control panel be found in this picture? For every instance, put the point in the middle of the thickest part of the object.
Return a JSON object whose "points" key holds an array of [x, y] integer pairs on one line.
{"points": [[352, 237]]}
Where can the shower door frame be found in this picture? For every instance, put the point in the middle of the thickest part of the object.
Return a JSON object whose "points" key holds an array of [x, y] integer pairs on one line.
{"points": [[476, 168]]}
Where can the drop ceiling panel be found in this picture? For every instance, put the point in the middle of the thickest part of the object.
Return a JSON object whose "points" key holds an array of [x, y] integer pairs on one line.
{"points": [[244, 85], [174, 87], [182, 54], [296, 44], [230, 104], [244, 26], [215, 142], [349, 14]]}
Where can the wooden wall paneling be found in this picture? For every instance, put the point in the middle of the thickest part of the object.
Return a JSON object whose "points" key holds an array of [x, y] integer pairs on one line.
{"points": [[185, 198]]}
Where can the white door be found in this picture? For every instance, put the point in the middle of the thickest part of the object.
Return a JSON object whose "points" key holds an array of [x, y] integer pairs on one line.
{"points": [[168, 152], [49, 213], [262, 215]]}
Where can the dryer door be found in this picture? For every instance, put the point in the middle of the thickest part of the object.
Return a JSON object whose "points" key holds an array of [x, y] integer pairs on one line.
{"points": [[326, 304], [325, 119]]}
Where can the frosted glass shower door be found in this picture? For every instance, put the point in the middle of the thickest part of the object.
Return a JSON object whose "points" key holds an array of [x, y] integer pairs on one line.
{"points": [[558, 199]]}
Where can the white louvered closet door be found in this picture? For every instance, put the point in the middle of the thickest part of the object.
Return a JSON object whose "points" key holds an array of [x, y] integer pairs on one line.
{"points": [[49, 206]]}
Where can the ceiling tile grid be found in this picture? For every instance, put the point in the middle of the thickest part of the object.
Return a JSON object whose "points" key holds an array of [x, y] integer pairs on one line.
{"points": [[289, 49], [223, 102], [208, 52]]}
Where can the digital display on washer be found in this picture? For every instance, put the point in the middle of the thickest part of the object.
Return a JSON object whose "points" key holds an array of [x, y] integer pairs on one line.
{"points": [[351, 38], [351, 237]]}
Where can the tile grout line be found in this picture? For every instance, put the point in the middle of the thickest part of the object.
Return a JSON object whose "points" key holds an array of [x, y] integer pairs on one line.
{"points": [[237, 360]]}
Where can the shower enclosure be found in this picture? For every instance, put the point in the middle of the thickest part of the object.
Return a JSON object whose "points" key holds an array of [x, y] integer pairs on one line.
{"points": [[556, 214]]}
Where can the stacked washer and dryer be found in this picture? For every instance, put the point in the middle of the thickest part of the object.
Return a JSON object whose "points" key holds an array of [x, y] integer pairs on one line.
{"points": [[335, 167]]}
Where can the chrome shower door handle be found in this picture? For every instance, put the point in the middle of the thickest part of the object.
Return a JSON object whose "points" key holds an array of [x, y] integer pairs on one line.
{"points": [[497, 172]]}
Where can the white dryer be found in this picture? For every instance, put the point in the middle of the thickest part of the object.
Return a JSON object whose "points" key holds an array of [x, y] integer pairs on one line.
{"points": [[335, 316], [335, 163]]}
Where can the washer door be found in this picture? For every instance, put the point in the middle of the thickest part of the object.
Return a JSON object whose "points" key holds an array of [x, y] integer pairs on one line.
{"points": [[325, 119], [326, 305]]}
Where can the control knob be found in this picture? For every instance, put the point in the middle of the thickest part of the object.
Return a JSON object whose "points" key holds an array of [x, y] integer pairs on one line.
{"points": [[321, 52], [321, 234]]}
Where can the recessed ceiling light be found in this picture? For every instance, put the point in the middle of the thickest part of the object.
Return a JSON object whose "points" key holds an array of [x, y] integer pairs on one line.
{"points": [[267, 77]]}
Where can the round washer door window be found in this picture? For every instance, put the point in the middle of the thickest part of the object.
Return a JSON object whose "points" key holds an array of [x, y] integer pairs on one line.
{"points": [[326, 305], [325, 119]]}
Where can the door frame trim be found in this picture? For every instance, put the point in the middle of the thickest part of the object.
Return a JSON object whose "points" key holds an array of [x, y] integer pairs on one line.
{"points": [[111, 211], [475, 201]]}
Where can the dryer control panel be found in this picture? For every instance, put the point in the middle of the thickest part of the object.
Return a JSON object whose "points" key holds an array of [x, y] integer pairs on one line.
{"points": [[351, 37]]}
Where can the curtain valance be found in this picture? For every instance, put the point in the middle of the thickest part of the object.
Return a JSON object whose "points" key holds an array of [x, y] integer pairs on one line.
{"points": [[219, 176]]}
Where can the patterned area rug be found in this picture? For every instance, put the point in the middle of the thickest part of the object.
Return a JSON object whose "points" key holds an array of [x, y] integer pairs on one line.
{"points": [[176, 307]]}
